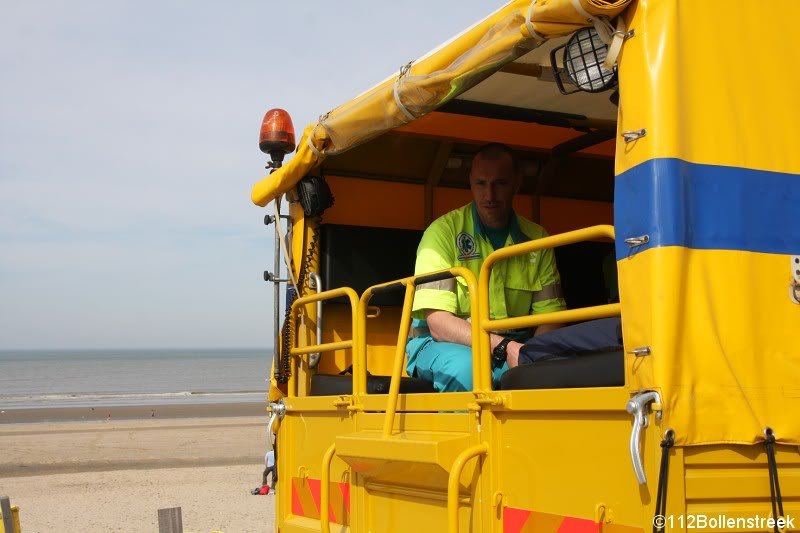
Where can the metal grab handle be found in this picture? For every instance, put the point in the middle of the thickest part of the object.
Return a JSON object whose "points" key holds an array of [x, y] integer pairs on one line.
{"points": [[277, 411], [325, 490], [452, 483], [637, 406]]}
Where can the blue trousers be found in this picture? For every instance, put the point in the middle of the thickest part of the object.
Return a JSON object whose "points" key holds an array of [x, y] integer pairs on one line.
{"points": [[600, 335], [445, 364]]}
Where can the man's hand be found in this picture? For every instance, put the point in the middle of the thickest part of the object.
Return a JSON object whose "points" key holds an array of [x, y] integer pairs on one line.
{"points": [[514, 347], [513, 353]]}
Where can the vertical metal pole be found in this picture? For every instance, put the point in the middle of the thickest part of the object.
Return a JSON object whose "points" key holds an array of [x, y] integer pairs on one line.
{"points": [[316, 283], [276, 287], [5, 508], [170, 520]]}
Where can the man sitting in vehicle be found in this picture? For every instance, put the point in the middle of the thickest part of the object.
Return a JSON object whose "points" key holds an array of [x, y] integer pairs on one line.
{"points": [[440, 348]]}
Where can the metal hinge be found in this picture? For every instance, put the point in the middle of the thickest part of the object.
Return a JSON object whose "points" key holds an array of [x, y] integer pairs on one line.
{"points": [[633, 135], [637, 241]]}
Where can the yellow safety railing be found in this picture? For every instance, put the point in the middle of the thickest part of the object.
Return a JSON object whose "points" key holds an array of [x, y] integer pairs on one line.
{"points": [[409, 285], [355, 343], [570, 315]]}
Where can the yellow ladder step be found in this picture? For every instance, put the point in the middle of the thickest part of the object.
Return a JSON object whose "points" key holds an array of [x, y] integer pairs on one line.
{"points": [[366, 448]]}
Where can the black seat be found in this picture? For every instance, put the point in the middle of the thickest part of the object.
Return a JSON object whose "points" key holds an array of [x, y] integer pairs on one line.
{"points": [[334, 385], [601, 369]]}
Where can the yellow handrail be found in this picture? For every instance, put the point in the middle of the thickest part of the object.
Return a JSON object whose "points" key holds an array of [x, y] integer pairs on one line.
{"points": [[325, 489], [452, 483], [556, 317], [409, 285], [328, 346], [553, 241], [354, 343]]}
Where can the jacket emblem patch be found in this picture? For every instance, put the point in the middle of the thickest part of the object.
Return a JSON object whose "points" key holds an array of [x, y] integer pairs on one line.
{"points": [[466, 245]]}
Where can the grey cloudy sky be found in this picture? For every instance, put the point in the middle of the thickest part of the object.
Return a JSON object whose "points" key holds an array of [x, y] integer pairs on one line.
{"points": [[129, 144]]}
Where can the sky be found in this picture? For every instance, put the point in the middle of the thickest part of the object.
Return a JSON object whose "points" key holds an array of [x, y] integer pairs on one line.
{"points": [[129, 145]]}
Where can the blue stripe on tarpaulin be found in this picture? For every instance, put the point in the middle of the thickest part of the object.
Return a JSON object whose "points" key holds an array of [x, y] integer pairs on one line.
{"points": [[678, 203]]}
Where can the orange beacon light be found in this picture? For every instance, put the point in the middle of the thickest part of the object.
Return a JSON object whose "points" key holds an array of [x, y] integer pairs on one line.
{"points": [[277, 136]]}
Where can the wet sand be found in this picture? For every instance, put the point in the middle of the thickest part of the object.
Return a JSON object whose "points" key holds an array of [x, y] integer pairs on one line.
{"points": [[113, 475], [130, 412]]}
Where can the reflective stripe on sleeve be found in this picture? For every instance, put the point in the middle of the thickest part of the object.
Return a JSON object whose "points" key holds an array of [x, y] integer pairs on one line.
{"points": [[548, 293], [441, 285]]}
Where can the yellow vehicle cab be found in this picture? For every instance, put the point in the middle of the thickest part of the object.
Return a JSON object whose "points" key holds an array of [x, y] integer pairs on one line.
{"points": [[667, 179]]}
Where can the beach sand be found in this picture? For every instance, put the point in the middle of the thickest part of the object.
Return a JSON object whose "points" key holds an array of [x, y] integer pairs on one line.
{"points": [[113, 475]]}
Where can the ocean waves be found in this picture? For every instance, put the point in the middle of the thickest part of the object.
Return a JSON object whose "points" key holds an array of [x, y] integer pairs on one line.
{"points": [[128, 398]]}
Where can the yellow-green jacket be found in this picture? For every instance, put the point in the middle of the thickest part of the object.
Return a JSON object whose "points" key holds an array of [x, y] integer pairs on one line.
{"points": [[518, 286]]}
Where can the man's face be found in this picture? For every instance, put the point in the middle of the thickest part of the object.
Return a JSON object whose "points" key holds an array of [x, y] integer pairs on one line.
{"points": [[493, 185]]}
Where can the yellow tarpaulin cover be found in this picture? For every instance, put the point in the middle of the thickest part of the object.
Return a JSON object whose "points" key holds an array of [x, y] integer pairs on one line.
{"points": [[433, 80], [714, 183]]}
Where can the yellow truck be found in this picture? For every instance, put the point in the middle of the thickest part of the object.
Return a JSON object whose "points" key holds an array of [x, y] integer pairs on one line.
{"points": [[660, 134]]}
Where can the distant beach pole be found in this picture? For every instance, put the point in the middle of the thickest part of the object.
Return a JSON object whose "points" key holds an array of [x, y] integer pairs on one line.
{"points": [[5, 508], [170, 520]]}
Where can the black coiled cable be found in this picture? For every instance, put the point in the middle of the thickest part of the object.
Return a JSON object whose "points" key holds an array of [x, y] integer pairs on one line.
{"points": [[287, 330]]}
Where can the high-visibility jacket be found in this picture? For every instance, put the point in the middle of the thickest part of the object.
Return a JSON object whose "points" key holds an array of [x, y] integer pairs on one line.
{"points": [[518, 286]]}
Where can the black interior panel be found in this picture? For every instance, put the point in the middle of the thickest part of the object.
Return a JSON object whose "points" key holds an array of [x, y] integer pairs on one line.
{"points": [[360, 257]]}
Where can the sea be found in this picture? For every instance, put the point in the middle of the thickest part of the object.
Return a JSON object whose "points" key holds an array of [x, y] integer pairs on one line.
{"points": [[86, 378]]}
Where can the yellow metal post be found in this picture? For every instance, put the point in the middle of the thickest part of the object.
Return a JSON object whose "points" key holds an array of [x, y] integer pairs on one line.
{"points": [[359, 375], [399, 357]]}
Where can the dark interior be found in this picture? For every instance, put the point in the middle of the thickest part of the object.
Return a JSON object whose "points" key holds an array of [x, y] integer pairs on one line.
{"points": [[365, 257], [588, 273]]}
